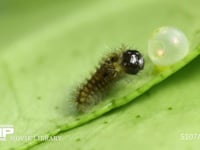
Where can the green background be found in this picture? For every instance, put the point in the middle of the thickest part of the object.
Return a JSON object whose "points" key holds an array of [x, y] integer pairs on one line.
{"points": [[48, 47]]}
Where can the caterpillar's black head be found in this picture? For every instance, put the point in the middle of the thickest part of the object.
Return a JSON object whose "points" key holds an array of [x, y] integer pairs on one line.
{"points": [[132, 61]]}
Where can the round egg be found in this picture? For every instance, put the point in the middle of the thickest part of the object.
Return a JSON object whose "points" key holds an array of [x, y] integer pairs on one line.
{"points": [[167, 46]]}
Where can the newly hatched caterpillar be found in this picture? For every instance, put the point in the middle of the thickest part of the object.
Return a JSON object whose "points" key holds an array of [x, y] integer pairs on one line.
{"points": [[111, 69]]}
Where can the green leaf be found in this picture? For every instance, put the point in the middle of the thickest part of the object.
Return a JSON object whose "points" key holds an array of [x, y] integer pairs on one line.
{"points": [[163, 118], [48, 48]]}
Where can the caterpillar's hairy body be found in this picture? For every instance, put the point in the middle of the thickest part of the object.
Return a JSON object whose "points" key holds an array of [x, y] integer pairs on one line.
{"points": [[100, 80], [111, 69]]}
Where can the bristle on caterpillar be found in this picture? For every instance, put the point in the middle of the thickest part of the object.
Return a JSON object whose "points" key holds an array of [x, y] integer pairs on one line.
{"points": [[110, 70]]}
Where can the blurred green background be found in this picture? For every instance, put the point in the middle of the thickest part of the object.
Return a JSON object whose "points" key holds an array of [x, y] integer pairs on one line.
{"points": [[47, 47]]}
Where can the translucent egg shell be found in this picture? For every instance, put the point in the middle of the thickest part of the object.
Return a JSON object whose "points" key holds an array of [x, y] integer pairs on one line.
{"points": [[167, 46]]}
